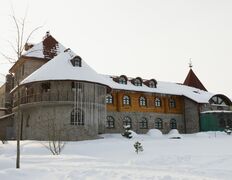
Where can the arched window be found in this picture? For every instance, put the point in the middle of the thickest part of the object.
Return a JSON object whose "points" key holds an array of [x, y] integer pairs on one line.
{"points": [[172, 103], [109, 99], [126, 100], [122, 80], [158, 123], [76, 61], [110, 122], [142, 101], [143, 123], [220, 100], [127, 121], [158, 102], [173, 124], [77, 117], [137, 82]]}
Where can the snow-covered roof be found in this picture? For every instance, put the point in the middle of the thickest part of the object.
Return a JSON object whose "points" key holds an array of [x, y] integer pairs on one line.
{"points": [[61, 68], [216, 111], [195, 94]]}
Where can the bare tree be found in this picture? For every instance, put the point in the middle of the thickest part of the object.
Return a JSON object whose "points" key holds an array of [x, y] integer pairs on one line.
{"points": [[21, 40], [54, 135]]}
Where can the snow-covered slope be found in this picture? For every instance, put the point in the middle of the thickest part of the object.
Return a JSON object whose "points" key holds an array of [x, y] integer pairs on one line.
{"points": [[202, 156]]}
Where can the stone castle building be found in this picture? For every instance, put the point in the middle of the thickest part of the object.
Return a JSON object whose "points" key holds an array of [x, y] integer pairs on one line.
{"points": [[51, 90]]}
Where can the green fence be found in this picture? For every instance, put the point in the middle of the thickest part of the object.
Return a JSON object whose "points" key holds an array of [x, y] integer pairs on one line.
{"points": [[216, 121]]}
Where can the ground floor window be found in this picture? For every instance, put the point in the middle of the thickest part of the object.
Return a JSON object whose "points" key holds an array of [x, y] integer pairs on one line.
{"points": [[158, 123], [173, 124], [127, 121], [77, 117], [110, 122], [143, 123]]}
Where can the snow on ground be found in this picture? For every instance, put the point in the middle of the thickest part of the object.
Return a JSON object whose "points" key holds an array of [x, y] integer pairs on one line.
{"points": [[201, 156]]}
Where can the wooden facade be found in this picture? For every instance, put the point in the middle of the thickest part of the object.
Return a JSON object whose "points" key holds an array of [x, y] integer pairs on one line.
{"points": [[134, 106]]}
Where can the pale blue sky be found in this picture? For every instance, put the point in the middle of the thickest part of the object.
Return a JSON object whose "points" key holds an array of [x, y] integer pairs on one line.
{"points": [[146, 38]]}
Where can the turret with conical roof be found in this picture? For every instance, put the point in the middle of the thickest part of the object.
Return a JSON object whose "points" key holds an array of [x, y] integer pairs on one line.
{"points": [[193, 81]]}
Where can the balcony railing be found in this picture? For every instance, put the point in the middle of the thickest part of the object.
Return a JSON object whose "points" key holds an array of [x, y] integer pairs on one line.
{"points": [[45, 96]]}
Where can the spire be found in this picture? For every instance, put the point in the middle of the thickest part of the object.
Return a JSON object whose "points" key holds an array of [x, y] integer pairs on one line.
{"points": [[192, 80], [190, 63]]}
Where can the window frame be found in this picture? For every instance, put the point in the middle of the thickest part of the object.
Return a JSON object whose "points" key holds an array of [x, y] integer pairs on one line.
{"points": [[172, 103], [137, 82], [159, 123], [126, 100], [173, 124], [127, 121], [110, 122], [109, 99], [76, 61], [122, 80], [158, 102], [142, 101], [77, 117], [143, 123]]}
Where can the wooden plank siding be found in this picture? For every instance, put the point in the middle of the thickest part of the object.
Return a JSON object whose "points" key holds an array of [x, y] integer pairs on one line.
{"points": [[118, 106]]}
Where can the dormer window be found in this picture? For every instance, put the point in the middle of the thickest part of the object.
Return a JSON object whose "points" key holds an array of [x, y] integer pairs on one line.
{"points": [[76, 61], [122, 80], [137, 82], [152, 83]]}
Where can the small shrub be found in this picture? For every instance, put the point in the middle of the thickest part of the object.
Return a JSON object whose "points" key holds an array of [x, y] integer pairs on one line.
{"points": [[138, 147]]}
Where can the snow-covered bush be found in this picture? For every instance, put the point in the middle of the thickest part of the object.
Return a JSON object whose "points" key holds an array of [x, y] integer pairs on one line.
{"points": [[174, 134], [154, 133], [228, 130], [127, 133]]}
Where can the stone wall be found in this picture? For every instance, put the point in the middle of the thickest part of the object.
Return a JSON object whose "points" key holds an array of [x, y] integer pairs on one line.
{"points": [[6, 128], [151, 117], [2, 95], [55, 111], [191, 116]]}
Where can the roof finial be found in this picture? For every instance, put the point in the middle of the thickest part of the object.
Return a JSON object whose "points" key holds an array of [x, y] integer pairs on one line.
{"points": [[190, 63]]}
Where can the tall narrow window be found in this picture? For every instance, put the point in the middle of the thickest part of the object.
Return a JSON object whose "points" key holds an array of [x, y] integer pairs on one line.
{"points": [[173, 124], [126, 100], [110, 123], [172, 103], [158, 123], [143, 123], [158, 102], [127, 121], [109, 99], [142, 101], [77, 117]]}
